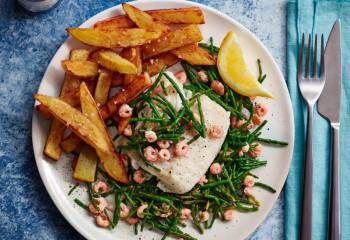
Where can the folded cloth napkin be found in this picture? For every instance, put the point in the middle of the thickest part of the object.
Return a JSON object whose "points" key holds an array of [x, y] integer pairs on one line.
{"points": [[317, 16]]}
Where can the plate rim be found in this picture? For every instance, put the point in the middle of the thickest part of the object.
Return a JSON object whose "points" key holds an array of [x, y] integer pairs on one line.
{"points": [[279, 186]]}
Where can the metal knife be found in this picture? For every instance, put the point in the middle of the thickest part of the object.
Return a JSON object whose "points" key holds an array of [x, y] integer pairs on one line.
{"points": [[329, 107]]}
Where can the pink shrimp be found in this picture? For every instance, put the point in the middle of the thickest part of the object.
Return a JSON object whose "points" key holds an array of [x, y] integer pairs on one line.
{"points": [[164, 144], [185, 213], [139, 177], [216, 131], [181, 77], [150, 154], [128, 131], [256, 151], [181, 148], [202, 76], [228, 214], [102, 220], [203, 216], [150, 136], [218, 87], [215, 168], [240, 154], [164, 154], [140, 210], [125, 111], [249, 181], [101, 203], [157, 90], [100, 186], [261, 109], [124, 210]]}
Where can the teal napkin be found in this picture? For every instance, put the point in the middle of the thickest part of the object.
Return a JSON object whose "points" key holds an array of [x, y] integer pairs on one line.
{"points": [[317, 17]]}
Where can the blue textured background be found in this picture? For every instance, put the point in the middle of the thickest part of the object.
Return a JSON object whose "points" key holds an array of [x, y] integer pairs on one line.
{"points": [[27, 43]]}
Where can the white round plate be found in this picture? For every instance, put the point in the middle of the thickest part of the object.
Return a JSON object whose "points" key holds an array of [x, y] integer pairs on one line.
{"points": [[57, 175]]}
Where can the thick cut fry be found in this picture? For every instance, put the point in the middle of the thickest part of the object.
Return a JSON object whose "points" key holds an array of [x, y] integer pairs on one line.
{"points": [[133, 54], [110, 160], [143, 19], [128, 37], [85, 168], [155, 64], [172, 40], [74, 120], [136, 87], [70, 143], [114, 62], [194, 54], [52, 147], [102, 86], [82, 69], [56, 132], [191, 15], [122, 124], [72, 98]]}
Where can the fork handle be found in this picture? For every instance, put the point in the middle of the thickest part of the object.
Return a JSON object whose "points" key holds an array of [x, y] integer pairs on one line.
{"points": [[306, 214], [334, 209]]}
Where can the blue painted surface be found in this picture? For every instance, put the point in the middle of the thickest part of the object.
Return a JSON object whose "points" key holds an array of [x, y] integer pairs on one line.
{"points": [[27, 43]]}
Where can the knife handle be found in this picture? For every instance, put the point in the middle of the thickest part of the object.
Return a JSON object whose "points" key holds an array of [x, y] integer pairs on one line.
{"points": [[306, 214], [334, 209]]}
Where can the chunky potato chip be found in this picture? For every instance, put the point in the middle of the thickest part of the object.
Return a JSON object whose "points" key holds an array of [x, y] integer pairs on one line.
{"points": [[114, 62], [102, 87], [82, 69], [172, 40], [132, 54], [143, 19], [194, 54], [85, 169], [110, 160]]}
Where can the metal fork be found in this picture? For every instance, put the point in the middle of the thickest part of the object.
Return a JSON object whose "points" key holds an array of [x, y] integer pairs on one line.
{"points": [[310, 88]]}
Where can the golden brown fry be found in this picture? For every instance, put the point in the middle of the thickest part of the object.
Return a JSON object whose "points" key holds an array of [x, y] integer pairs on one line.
{"points": [[155, 64], [172, 40], [102, 86], [70, 143], [74, 120], [191, 15], [82, 69], [133, 54], [85, 168], [194, 54], [143, 19], [121, 37], [110, 160], [114, 62], [52, 147], [136, 87]]}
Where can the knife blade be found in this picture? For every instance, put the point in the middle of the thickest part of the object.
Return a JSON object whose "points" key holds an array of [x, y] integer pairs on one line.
{"points": [[329, 102], [329, 107]]}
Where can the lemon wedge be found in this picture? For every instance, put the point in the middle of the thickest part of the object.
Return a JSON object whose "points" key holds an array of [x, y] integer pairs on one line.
{"points": [[234, 70]]}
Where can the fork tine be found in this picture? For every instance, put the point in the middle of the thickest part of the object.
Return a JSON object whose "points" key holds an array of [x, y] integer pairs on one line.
{"points": [[301, 57], [322, 63], [315, 58], [308, 57]]}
